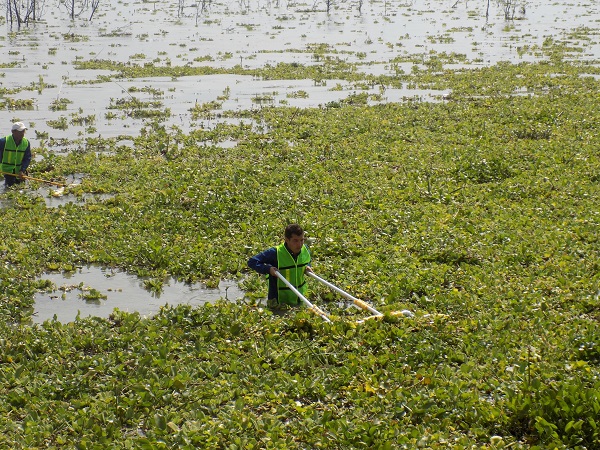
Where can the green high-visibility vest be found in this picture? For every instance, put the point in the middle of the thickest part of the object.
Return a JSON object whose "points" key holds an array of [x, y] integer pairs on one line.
{"points": [[293, 271], [13, 155]]}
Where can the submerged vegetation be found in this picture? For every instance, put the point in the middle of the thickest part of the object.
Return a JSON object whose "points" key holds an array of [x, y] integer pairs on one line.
{"points": [[478, 212]]}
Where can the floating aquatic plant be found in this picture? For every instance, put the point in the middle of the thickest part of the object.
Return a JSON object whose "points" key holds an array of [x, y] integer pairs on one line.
{"points": [[477, 211]]}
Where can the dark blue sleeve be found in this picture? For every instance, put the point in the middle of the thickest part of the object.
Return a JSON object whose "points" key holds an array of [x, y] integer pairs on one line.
{"points": [[2, 145], [26, 158], [263, 262]]}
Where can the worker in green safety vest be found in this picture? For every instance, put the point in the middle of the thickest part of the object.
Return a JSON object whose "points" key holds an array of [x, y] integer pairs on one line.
{"points": [[15, 155], [292, 259]]}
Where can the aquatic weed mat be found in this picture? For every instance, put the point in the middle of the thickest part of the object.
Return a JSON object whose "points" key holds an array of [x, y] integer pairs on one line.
{"points": [[478, 213]]}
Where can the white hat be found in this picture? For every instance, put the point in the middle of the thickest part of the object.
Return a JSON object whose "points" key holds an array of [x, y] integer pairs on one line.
{"points": [[18, 126]]}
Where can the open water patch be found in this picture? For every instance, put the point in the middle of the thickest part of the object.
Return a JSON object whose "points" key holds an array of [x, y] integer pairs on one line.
{"points": [[95, 291], [55, 197]]}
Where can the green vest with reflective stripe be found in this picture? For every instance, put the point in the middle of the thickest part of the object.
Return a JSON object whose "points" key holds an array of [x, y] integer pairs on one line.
{"points": [[13, 155], [293, 271]]}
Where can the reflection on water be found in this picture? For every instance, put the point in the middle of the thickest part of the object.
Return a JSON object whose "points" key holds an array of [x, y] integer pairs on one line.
{"points": [[381, 38], [55, 196], [123, 291]]}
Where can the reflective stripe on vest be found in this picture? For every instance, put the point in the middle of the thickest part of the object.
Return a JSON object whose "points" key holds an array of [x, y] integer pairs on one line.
{"points": [[13, 154], [293, 271]]}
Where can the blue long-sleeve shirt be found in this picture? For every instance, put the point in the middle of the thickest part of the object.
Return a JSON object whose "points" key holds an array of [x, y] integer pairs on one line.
{"points": [[26, 157], [262, 263]]}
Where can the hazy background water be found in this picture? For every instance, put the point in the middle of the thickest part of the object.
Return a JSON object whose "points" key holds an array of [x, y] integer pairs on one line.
{"points": [[254, 34]]}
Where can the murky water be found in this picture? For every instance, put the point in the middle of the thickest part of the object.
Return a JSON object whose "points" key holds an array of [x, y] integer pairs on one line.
{"points": [[55, 196], [254, 34], [123, 291]]}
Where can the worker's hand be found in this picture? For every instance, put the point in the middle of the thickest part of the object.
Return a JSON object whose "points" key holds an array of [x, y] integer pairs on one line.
{"points": [[308, 269], [21, 174], [273, 271]]}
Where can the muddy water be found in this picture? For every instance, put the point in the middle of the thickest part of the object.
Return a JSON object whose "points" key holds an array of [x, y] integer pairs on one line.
{"points": [[254, 34], [126, 292]]}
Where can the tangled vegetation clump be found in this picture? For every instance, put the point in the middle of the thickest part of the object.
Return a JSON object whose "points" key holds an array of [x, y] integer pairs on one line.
{"points": [[479, 213]]}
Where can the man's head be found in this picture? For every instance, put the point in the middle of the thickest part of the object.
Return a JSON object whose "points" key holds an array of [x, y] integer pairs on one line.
{"points": [[294, 237], [18, 131]]}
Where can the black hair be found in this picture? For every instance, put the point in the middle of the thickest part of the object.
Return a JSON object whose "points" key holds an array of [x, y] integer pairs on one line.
{"points": [[293, 229]]}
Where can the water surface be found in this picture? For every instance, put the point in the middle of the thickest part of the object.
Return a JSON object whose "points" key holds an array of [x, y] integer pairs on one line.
{"points": [[123, 291], [253, 35]]}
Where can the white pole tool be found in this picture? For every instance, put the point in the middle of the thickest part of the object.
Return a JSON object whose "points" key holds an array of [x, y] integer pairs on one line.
{"points": [[361, 304], [357, 302], [310, 306]]}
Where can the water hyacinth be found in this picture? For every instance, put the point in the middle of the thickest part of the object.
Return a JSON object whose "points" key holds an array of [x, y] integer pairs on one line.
{"points": [[471, 202]]}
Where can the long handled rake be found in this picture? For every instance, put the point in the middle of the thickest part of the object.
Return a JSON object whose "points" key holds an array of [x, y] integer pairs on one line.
{"points": [[16, 175], [357, 302], [313, 308]]}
